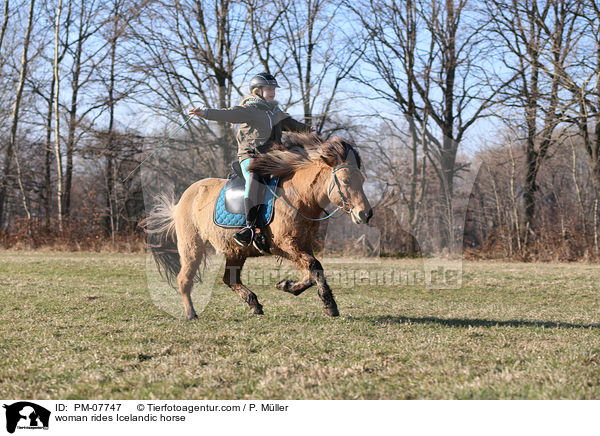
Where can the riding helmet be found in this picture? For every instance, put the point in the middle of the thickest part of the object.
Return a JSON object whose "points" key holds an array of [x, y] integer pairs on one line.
{"points": [[263, 79]]}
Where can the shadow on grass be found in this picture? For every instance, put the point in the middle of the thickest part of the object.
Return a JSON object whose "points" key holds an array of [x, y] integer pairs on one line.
{"points": [[476, 322]]}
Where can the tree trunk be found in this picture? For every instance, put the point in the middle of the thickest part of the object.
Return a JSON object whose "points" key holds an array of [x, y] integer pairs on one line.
{"points": [[47, 192], [530, 189], [417, 187], [4, 22], [110, 221], [306, 95], [11, 147], [222, 76], [449, 147], [75, 85], [57, 151]]}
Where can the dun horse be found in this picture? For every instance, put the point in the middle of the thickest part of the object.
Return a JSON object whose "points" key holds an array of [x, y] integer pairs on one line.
{"points": [[314, 174]]}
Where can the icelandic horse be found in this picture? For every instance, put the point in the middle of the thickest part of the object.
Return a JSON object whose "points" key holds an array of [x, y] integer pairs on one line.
{"points": [[313, 172]]}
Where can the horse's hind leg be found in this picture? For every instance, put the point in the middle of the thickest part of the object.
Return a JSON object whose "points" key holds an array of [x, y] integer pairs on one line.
{"points": [[190, 255], [232, 278]]}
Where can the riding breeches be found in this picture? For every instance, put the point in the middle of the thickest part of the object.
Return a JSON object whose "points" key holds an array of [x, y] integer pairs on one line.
{"points": [[249, 176]]}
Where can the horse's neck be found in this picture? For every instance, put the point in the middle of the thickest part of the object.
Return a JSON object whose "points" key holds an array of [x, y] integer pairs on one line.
{"points": [[308, 189]]}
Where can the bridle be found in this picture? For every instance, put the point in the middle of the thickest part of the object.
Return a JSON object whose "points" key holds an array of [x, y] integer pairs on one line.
{"points": [[347, 206]]}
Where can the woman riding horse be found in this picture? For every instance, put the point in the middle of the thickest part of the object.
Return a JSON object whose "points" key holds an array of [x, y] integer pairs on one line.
{"points": [[313, 174], [262, 125]]}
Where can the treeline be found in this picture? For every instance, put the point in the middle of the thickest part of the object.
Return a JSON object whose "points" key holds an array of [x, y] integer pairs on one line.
{"points": [[478, 120]]}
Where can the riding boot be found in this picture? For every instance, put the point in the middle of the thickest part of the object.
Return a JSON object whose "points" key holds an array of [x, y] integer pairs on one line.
{"points": [[257, 193], [245, 236]]}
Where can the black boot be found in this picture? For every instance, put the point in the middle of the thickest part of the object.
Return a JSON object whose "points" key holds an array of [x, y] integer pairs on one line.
{"points": [[245, 236]]}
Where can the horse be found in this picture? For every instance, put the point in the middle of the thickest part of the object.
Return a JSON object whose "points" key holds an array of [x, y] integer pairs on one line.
{"points": [[313, 172]]}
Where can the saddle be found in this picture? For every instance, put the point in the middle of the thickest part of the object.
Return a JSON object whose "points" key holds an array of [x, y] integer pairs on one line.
{"points": [[234, 194], [229, 208], [234, 190]]}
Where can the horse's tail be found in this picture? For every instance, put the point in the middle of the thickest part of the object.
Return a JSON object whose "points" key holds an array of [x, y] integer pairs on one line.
{"points": [[162, 240]]}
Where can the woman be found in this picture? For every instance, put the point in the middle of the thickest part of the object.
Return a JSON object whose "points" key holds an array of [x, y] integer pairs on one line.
{"points": [[262, 125]]}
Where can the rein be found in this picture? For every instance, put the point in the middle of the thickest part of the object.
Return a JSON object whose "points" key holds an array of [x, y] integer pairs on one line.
{"points": [[334, 181]]}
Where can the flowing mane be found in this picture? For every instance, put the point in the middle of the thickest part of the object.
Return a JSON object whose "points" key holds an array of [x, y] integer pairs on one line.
{"points": [[299, 150]]}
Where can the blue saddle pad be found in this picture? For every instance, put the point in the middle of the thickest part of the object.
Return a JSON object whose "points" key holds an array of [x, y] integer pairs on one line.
{"points": [[223, 218]]}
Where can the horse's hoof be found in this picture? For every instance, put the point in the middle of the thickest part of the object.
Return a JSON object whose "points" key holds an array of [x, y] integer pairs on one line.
{"points": [[192, 317], [257, 310], [332, 311], [284, 285]]}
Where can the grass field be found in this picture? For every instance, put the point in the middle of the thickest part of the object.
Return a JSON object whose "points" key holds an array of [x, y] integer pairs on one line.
{"points": [[78, 326]]}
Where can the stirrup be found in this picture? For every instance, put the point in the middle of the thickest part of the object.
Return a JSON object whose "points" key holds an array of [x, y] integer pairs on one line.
{"points": [[243, 243]]}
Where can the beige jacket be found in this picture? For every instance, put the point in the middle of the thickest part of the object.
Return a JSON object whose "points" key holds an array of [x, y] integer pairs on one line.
{"points": [[262, 124]]}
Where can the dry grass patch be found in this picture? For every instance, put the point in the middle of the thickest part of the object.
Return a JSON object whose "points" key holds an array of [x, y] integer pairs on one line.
{"points": [[85, 326]]}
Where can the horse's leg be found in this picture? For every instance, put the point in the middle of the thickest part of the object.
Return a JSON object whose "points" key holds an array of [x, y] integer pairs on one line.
{"points": [[189, 255], [296, 288], [309, 263], [232, 278], [302, 261], [325, 293]]}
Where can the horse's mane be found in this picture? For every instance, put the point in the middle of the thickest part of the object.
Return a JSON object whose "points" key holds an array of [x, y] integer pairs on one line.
{"points": [[299, 150]]}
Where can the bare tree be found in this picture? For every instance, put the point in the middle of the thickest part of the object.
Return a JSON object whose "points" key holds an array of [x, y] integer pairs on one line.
{"points": [[57, 149], [301, 43], [4, 21], [538, 37], [196, 62], [86, 53], [581, 78], [264, 20], [400, 166], [424, 58], [7, 156], [48, 154], [312, 40], [14, 125], [110, 152], [41, 82], [118, 18]]}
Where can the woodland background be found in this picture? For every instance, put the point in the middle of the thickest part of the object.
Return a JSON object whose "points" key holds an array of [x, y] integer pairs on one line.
{"points": [[478, 120]]}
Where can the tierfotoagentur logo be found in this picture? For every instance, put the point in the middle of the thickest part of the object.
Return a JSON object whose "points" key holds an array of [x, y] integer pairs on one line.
{"points": [[26, 416]]}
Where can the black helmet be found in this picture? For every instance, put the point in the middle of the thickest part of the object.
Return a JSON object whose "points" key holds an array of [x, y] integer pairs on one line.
{"points": [[263, 79]]}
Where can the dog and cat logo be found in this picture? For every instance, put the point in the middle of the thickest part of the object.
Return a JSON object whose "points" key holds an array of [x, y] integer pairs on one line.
{"points": [[26, 415]]}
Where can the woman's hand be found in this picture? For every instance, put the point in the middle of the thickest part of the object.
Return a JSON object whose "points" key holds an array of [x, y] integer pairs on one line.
{"points": [[198, 111]]}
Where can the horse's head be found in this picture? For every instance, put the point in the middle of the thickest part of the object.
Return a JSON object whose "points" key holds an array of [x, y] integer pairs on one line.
{"points": [[345, 188], [336, 159]]}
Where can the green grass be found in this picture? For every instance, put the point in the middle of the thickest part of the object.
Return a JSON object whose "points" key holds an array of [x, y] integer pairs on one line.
{"points": [[78, 326]]}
